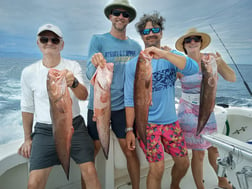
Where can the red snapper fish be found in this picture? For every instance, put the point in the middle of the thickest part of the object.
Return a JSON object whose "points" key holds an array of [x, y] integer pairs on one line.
{"points": [[142, 93], [101, 81], [207, 90], [61, 114]]}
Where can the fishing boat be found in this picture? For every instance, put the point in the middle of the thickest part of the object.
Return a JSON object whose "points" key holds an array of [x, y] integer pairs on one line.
{"points": [[234, 121]]}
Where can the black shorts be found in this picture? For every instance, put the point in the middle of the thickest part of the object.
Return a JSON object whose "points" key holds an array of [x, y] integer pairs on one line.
{"points": [[43, 152], [118, 124]]}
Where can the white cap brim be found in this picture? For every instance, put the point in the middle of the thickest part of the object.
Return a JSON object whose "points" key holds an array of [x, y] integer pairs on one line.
{"points": [[52, 28]]}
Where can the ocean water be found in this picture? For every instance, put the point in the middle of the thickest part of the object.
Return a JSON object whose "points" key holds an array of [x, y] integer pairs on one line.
{"points": [[234, 94]]}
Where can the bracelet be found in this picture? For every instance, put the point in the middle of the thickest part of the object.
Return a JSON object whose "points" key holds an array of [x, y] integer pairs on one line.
{"points": [[128, 129]]}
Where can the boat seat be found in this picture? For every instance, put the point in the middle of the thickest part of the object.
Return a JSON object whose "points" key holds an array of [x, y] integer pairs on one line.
{"points": [[15, 166], [221, 116]]}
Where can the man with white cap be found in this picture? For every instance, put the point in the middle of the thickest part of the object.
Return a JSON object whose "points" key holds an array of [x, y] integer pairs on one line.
{"points": [[39, 146], [117, 48]]}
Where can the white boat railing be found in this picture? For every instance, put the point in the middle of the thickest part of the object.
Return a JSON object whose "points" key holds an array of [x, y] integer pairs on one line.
{"points": [[235, 159], [237, 147]]}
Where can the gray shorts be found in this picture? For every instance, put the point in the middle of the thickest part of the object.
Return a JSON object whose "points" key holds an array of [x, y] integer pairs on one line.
{"points": [[43, 151]]}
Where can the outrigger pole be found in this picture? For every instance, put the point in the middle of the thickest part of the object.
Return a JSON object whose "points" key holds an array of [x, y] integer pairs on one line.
{"points": [[245, 83]]}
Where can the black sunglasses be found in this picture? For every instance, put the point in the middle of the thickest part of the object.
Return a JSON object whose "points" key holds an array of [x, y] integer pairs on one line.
{"points": [[147, 31], [117, 13], [45, 39], [195, 38]]}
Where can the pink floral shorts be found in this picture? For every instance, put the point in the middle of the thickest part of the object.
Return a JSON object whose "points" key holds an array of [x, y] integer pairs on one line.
{"points": [[170, 135]]}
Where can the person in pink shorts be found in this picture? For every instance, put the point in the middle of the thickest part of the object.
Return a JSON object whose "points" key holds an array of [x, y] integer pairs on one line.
{"points": [[168, 134], [163, 130]]}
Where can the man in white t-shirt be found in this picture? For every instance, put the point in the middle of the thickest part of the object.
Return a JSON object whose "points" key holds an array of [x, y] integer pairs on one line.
{"points": [[39, 145]]}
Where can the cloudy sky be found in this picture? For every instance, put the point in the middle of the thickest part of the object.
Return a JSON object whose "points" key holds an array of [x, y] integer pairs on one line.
{"points": [[80, 19]]}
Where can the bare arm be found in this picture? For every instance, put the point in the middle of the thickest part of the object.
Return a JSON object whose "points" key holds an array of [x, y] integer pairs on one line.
{"points": [[130, 136], [224, 70], [25, 148], [80, 91], [178, 60]]}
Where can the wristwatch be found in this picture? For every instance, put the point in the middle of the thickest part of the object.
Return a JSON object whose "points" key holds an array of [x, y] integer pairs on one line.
{"points": [[75, 83], [128, 129]]}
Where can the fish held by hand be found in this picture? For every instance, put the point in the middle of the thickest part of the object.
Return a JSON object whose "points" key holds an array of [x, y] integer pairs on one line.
{"points": [[142, 93], [101, 81], [61, 114], [207, 90]]}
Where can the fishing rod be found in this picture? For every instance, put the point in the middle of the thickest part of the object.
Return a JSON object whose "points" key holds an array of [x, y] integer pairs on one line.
{"points": [[245, 83]]}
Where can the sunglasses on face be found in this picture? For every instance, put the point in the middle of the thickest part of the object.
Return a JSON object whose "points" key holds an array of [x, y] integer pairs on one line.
{"points": [[195, 38], [44, 40], [153, 30], [117, 13]]}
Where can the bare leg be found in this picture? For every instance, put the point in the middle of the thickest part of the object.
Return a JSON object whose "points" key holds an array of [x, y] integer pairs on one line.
{"points": [[38, 178], [133, 164], [83, 184], [89, 175], [97, 145], [155, 175], [179, 169], [213, 154], [197, 167]]}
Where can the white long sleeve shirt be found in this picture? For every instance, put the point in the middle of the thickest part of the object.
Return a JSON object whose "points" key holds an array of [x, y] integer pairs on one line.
{"points": [[34, 96]]}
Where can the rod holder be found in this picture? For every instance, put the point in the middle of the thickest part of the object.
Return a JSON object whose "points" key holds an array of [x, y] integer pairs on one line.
{"points": [[243, 175], [223, 164]]}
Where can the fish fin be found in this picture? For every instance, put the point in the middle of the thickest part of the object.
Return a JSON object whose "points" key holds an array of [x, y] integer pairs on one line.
{"points": [[151, 103], [93, 78], [147, 83], [94, 118], [105, 152], [72, 129], [104, 97], [198, 132], [61, 105], [110, 66]]}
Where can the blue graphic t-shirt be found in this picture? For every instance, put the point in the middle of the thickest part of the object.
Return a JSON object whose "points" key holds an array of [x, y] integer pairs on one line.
{"points": [[115, 51], [162, 110]]}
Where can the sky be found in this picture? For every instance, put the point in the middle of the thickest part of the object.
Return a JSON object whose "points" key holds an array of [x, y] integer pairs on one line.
{"points": [[80, 19]]}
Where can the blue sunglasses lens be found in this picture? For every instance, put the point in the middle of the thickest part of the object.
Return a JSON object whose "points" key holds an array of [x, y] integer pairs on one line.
{"points": [[147, 31], [155, 30]]}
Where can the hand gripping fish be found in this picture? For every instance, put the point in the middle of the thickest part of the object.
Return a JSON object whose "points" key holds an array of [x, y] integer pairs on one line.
{"points": [[142, 93], [207, 90], [61, 114], [101, 81]]}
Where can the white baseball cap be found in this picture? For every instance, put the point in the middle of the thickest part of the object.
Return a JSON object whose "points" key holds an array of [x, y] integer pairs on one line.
{"points": [[50, 27]]}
